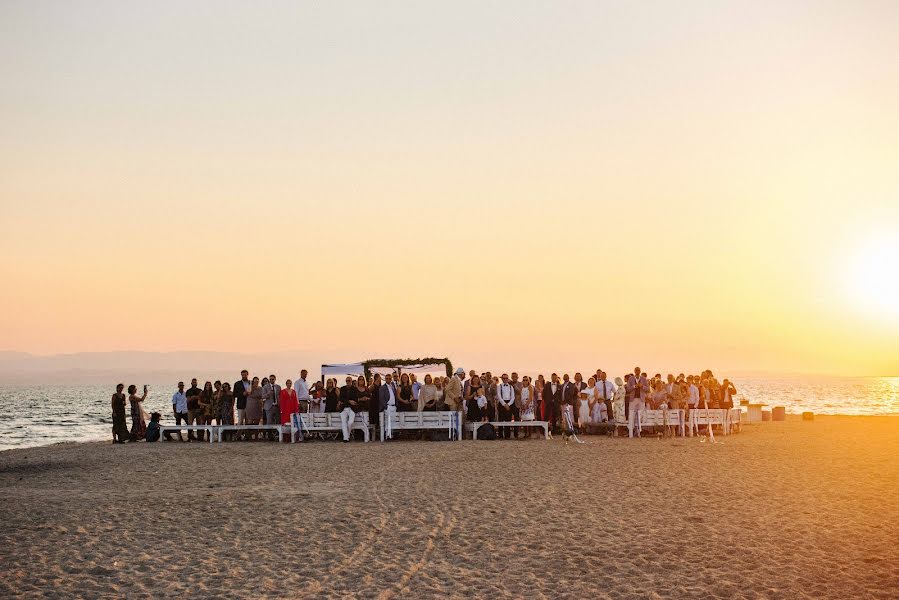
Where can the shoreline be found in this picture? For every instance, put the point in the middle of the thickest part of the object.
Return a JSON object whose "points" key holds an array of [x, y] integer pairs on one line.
{"points": [[790, 417]]}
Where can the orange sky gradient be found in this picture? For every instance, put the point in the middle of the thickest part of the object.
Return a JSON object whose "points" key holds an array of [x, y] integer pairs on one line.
{"points": [[681, 185]]}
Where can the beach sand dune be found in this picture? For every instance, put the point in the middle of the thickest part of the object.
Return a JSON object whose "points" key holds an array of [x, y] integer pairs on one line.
{"points": [[782, 510]]}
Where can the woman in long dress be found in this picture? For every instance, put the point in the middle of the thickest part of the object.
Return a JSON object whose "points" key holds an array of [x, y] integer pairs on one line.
{"points": [[618, 403], [138, 424], [253, 414], [526, 408], [120, 433]]}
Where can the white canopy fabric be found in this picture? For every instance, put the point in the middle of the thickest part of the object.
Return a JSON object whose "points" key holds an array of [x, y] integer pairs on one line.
{"points": [[422, 368], [348, 369]]}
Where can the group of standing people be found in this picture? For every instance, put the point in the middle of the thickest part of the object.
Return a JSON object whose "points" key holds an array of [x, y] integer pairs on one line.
{"points": [[588, 406]]}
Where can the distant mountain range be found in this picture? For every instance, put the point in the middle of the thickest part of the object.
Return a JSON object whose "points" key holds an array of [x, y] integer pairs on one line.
{"points": [[136, 367]]}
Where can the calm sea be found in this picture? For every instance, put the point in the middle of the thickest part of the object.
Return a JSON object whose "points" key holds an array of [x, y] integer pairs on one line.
{"points": [[37, 415]]}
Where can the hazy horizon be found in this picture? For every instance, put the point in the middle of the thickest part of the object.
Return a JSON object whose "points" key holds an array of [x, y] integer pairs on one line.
{"points": [[676, 185]]}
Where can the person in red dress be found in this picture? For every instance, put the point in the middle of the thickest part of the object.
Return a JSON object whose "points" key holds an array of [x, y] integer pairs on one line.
{"points": [[287, 402]]}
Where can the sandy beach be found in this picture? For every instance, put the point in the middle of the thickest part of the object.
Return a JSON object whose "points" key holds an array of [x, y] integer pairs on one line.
{"points": [[782, 510]]}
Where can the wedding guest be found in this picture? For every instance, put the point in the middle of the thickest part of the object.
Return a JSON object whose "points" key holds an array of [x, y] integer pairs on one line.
{"points": [[416, 388], [273, 412], [587, 398], [516, 406], [406, 402], [490, 382], [693, 391], [241, 389], [194, 412], [204, 403], [438, 393], [427, 396], [271, 415], [538, 385], [120, 433], [636, 405], [253, 414], [526, 404], [505, 398], [288, 402], [552, 401], [179, 408], [452, 391], [388, 402], [473, 412], [619, 401], [226, 417], [302, 388], [599, 416], [364, 399], [466, 385], [152, 434], [348, 405], [605, 391], [374, 404], [318, 397], [727, 394], [215, 407], [138, 425], [332, 396]]}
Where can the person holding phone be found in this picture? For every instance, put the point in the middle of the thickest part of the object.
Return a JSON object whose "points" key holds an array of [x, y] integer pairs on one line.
{"points": [[138, 424]]}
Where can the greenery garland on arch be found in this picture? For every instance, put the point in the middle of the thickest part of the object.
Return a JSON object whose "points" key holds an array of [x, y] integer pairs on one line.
{"points": [[401, 362]]}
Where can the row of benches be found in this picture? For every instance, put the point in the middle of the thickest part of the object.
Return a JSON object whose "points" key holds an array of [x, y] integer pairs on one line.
{"points": [[728, 419], [452, 423]]}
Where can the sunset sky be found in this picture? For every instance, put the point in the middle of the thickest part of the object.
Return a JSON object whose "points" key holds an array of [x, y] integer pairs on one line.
{"points": [[680, 185]]}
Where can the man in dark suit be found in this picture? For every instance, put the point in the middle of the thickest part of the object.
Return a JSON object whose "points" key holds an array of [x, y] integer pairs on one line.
{"points": [[569, 396], [552, 401], [241, 387]]}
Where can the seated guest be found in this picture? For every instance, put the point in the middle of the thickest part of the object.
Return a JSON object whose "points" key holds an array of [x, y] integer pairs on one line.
{"points": [[153, 428], [427, 395]]}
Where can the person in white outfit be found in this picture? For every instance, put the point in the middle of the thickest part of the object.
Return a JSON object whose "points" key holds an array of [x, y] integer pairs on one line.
{"points": [[302, 389], [388, 405], [587, 397]]}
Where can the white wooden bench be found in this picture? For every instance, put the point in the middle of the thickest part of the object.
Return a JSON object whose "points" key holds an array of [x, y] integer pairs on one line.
{"points": [[448, 420], [279, 428], [708, 416], [735, 419], [209, 429], [317, 422], [473, 427], [664, 418]]}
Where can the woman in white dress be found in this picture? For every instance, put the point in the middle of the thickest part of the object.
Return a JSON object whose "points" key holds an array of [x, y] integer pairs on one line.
{"points": [[588, 397], [618, 401], [527, 407]]}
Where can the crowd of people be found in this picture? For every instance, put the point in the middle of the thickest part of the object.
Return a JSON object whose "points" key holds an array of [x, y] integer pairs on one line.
{"points": [[568, 405]]}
